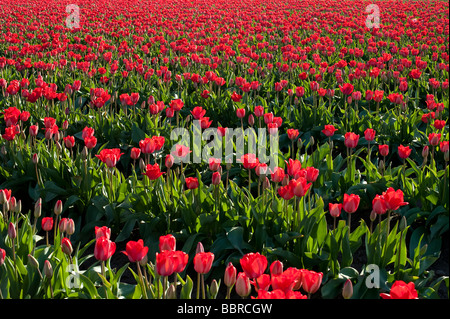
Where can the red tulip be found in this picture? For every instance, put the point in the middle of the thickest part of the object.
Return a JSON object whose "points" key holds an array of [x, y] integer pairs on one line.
{"points": [[2, 256], [404, 151], [104, 248], [191, 182], [203, 262], [110, 156], [135, 250], [167, 242], [243, 287], [292, 134], [240, 113], [262, 282], [216, 178], [401, 290], [277, 175], [153, 172], [346, 89], [102, 232], [47, 223], [299, 186], [434, 139], [293, 168], [249, 161], [90, 142], [311, 281], [286, 192], [198, 112], [229, 278], [369, 134], [147, 145], [383, 149], [66, 246], [394, 198], [214, 163], [351, 139], [329, 130], [253, 264], [311, 174], [335, 209], [276, 268], [165, 263], [379, 205], [351, 203], [135, 153]]}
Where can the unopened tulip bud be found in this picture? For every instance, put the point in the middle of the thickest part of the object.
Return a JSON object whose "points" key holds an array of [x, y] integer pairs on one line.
{"points": [[2, 197], [251, 120], [58, 146], [423, 250], [12, 203], [66, 246], [347, 291], [171, 292], [381, 165], [200, 248], [2, 256], [243, 287], [35, 158], [403, 223], [214, 288], [229, 278], [48, 269], [373, 215], [446, 156], [58, 208], [216, 178], [266, 183], [18, 207], [285, 180], [12, 231], [4, 152], [33, 261], [38, 208], [311, 141], [425, 151], [70, 227], [143, 261], [169, 160], [84, 153], [276, 268], [142, 165]]}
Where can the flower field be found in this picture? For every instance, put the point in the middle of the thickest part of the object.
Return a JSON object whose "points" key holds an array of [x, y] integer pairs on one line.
{"points": [[198, 149]]}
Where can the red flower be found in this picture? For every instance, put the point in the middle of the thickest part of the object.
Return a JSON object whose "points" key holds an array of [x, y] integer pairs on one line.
{"points": [[229, 278], [181, 151], [236, 97], [369, 134], [404, 151], [102, 232], [351, 139], [253, 264], [69, 141], [147, 145], [346, 89], [165, 263], [167, 242], [335, 209], [401, 290], [243, 286], [311, 281], [192, 183], [90, 142], [11, 116], [351, 203], [47, 223], [394, 198], [135, 250], [240, 113], [299, 186], [294, 167], [110, 156], [198, 112], [286, 192], [176, 105], [383, 149], [379, 205], [292, 133], [329, 130], [152, 171], [277, 175], [104, 248], [434, 139], [203, 262], [249, 161]]}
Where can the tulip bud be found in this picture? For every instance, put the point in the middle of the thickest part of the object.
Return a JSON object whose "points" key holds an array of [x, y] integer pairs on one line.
{"points": [[171, 292], [169, 160], [373, 215], [2, 197], [214, 289], [84, 153], [200, 248], [347, 291], [2, 256], [425, 151], [251, 120], [446, 156], [58, 208], [66, 246], [12, 231], [33, 261], [216, 178], [12, 203], [423, 250], [266, 183], [38, 208], [48, 269], [276, 268], [4, 152], [143, 261], [403, 223], [243, 287], [230, 275], [18, 207], [381, 165], [142, 165], [35, 158], [70, 226]]}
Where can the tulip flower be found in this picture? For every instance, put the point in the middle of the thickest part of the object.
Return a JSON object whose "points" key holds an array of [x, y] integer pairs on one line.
{"points": [[202, 265], [191, 182], [47, 225], [167, 242], [153, 172], [229, 278], [394, 199], [109, 156], [311, 281], [135, 250], [253, 264], [66, 246], [401, 290], [104, 248], [243, 287], [102, 232], [276, 268]]}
